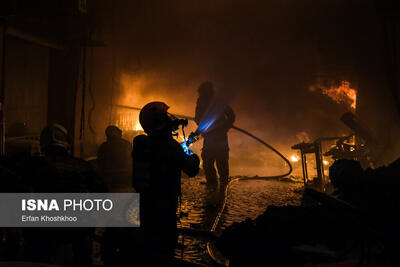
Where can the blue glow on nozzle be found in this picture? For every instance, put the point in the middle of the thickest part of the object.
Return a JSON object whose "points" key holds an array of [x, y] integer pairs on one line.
{"points": [[186, 149], [193, 137]]}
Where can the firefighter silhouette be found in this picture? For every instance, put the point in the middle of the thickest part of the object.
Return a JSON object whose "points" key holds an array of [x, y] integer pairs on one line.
{"points": [[59, 172], [215, 146], [158, 161], [114, 160]]}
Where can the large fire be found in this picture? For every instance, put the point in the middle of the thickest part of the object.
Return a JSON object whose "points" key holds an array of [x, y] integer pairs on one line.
{"points": [[140, 89], [340, 94], [136, 90]]}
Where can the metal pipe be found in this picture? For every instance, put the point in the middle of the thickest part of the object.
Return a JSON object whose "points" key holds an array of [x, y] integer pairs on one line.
{"points": [[17, 33], [139, 109], [126, 107]]}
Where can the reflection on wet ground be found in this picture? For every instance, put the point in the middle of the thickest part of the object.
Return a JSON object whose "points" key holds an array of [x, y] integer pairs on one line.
{"points": [[247, 199]]}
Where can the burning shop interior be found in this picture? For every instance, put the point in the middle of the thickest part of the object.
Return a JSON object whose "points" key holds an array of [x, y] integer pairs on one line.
{"points": [[287, 116]]}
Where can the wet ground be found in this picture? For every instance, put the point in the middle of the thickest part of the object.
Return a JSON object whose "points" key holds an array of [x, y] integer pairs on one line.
{"points": [[247, 199]]}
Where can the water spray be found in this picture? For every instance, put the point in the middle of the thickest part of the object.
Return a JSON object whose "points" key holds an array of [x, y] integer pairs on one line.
{"points": [[205, 125]]}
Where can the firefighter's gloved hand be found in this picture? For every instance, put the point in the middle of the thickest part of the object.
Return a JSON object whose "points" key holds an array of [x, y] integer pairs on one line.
{"points": [[190, 164], [195, 159], [195, 165]]}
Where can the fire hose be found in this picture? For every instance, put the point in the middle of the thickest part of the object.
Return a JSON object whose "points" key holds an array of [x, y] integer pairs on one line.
{"points": [[193, 137], [210, 246]]}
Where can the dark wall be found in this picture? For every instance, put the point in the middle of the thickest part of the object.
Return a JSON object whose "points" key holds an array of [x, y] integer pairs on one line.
{"points": [[378, 68], [26, 72], [62, 86]]}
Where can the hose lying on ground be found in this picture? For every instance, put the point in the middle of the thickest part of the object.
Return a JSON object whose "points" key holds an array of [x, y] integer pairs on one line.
{"points": [[210, 246]]}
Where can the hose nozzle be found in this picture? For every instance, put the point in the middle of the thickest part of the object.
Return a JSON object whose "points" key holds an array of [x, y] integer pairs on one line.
{"points": [[193, 137]]}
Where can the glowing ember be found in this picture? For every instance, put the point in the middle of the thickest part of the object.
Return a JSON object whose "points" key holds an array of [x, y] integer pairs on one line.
{"points": [[294, 158], [340, 94], [326, 162]]}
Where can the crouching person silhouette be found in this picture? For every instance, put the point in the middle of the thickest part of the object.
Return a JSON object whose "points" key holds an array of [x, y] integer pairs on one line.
{"points": [[59, 172], [158, 161]]}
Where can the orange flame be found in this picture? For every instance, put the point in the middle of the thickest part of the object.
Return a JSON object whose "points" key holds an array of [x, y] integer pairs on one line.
{"points": [[127, 121], [138, 127], [340, 94]]}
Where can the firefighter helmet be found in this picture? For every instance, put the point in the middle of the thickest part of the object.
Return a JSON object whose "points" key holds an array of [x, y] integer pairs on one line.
{"points": [[54, 135], [154, 117], [113, 132]]}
